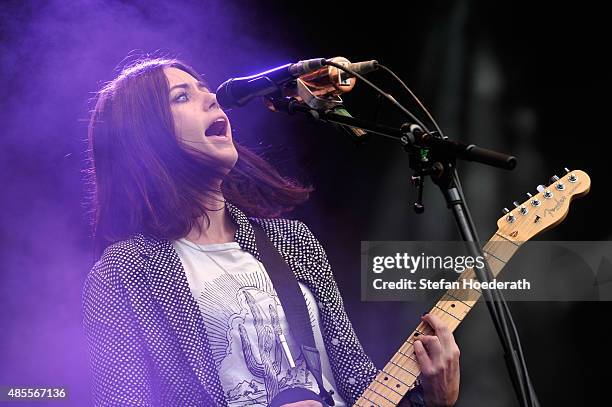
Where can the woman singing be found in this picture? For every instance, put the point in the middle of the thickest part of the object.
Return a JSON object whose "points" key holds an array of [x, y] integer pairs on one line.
{"points": [[180, 310]]}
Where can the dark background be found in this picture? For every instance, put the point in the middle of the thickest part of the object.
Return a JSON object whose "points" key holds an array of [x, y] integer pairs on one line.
{"points": [[526, 78]]}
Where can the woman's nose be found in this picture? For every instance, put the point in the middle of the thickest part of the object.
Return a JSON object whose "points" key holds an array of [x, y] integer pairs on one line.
{"points": [[210, 102]]}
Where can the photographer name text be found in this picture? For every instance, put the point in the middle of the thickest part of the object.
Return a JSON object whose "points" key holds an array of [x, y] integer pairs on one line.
{"points": [[442, 284]]}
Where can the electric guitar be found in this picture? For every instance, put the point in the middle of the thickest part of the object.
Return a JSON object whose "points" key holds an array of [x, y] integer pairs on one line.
{"points": [[537, 214]]}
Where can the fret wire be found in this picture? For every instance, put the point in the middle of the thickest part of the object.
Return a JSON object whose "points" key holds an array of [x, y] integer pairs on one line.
{"points": [[398, 372], [408, 356], [443, 310], [491, 245], [405, 370], [373, 402], [396, 378], [473, 289], [380, 377], [368, 402], [505, 238], [494, 248], [408, 341], [424, 328], [392, 366], [377, 396], [381, 383], [494, 256], [382, 395], [370, 396], [463, 290], [452, 302], [376, 381], [397, 354], [457, 299], [406, 344], [451, 322]]}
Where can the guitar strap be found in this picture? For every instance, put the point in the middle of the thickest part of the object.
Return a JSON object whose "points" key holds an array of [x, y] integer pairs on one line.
{"points": [[294, 306]]}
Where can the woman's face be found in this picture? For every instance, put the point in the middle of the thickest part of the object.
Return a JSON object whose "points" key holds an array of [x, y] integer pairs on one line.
{"points": [[199, 122]]}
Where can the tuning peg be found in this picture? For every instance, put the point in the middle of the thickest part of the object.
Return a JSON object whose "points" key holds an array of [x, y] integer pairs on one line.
{"points": [[529, 195], [572, 177], [547, 193], [522, 209], [509, 217], [558, 184]]}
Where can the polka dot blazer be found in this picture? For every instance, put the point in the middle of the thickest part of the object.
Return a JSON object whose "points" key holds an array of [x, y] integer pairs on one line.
{"points": [[146, 335]]}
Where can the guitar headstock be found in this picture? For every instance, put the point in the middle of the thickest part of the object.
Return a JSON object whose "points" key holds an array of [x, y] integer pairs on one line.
{"points": [[545, 209]]}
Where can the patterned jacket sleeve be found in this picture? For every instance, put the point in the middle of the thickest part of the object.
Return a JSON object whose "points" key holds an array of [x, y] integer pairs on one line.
{"points": [[353, 370], [120, 372]]}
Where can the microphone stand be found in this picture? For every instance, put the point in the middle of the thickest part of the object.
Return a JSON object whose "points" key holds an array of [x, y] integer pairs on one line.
{"points": [[431, 155]]}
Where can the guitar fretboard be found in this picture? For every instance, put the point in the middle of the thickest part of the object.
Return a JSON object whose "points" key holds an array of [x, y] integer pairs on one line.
{"points": [[400, 374]]}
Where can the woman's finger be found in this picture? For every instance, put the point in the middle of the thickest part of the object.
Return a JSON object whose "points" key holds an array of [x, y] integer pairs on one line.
{"points": [[441, 330], [423, 358]]}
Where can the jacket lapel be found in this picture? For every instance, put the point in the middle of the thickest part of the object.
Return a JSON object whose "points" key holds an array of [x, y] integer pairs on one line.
{"points": [[170, 290]]}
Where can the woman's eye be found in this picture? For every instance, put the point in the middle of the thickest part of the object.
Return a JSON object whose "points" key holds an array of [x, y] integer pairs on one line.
{"points": [[181, 97]]}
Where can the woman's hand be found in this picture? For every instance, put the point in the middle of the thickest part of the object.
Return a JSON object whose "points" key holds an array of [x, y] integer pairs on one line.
{"points": [[438, 357]]}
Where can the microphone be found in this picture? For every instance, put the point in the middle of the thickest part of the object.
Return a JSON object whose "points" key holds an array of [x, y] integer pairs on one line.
{"points": [[322, 88], [331, 81], [322, 79], [236, 92]]}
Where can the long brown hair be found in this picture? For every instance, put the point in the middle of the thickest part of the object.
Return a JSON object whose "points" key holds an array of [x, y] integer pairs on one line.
{"points": [[143, 180]]}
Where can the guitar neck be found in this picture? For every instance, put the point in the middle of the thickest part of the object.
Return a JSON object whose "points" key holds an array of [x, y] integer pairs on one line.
{"points": [[400, 374], [538, 213]]}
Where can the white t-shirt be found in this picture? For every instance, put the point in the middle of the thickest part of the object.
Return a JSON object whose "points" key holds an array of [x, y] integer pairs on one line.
{"points": [[243, 319]]}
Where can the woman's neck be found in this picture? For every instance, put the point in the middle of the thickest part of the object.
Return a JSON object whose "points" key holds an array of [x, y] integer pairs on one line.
{"points": [[221, 228]]}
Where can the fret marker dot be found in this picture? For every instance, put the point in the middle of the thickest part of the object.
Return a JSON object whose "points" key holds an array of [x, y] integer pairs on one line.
{"points": [[453, 305]]}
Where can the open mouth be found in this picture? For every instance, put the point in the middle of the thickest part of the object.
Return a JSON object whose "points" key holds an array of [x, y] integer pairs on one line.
{"points": [[217, 128]]}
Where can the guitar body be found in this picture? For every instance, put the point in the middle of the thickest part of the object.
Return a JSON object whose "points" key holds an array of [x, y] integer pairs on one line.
{"points": [[294, 395]]}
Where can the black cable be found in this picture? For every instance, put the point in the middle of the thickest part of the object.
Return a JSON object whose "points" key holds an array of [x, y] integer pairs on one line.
{"points": [[415, 98], [383, 93]]}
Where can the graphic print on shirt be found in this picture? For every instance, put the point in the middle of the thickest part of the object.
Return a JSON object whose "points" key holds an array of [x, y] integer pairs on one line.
{"points": [[241, 314]]}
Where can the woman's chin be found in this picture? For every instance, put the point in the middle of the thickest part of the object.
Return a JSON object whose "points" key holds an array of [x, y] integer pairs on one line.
{"points": [[225, 160]]}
